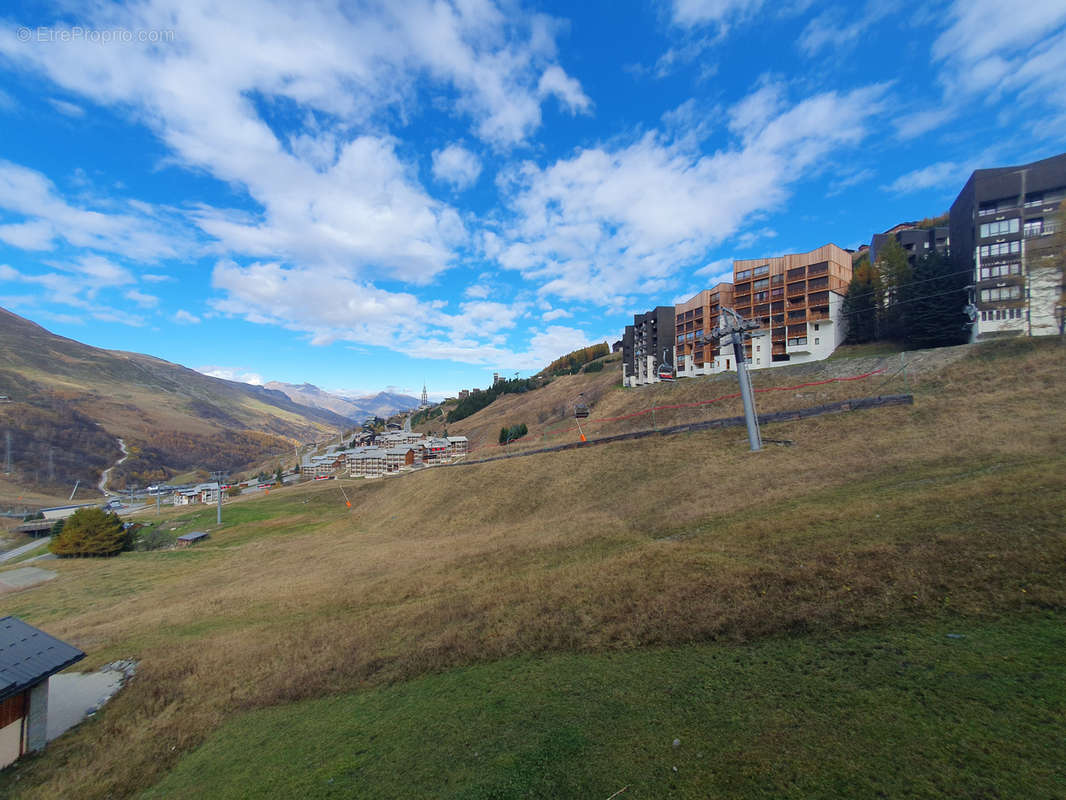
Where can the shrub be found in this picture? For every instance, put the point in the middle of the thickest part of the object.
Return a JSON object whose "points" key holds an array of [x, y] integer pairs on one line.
{"points": [[595, 366], [512, 433], [153, 539], [90, 532]]}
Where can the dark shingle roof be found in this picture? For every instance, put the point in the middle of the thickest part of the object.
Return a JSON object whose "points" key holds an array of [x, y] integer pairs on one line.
{"points": [[195, 536], [29, 655]]}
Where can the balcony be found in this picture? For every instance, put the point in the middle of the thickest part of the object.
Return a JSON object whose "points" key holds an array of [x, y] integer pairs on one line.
{"points": [[797, 344], [795, 289], [820, 268], [796, 274], [818, 283], [798, 315]]}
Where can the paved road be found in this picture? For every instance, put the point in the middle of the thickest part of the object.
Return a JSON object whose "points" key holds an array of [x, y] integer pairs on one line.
{"points": [[18, 551]]}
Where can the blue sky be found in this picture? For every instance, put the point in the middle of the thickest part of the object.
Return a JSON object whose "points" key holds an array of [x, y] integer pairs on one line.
{"points": [[366, 196]]}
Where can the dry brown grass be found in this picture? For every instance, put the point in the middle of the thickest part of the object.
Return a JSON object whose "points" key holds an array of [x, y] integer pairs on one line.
{"points": [[952, 506]]}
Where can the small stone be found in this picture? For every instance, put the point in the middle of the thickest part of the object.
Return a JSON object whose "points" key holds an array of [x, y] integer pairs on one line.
{"points": [[677, 743], [675, 769]]}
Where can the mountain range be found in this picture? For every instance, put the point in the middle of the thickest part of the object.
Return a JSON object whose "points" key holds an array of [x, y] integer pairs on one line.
{"points": [[357, 409], [64, 406]]}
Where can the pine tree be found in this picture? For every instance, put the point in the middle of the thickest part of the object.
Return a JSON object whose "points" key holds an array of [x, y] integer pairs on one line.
{"points": [[932, 304], [862, 303], [893, 273], [90, 532]]}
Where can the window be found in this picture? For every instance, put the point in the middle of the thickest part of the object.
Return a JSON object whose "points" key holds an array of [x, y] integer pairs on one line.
{"points": [[816, 341], [758, 348], [999, 228], [996, 206], [1034, 227], [1000, 270], [1000, 248], [743, 274], [797, 341], [1001, 293], [761, 284], [758, 297], [763, 270], [1034, 199]]}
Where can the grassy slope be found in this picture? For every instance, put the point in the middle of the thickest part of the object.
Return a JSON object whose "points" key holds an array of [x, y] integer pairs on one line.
{"points": [[947, 513], [548, 412], [896, 713]]}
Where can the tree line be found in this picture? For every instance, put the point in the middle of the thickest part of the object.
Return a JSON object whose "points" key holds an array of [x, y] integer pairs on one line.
{"points": [[923, 304]]}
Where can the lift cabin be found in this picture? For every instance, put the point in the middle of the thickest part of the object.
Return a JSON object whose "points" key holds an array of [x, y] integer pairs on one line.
{"points": [[581, 410], [666, 372]]}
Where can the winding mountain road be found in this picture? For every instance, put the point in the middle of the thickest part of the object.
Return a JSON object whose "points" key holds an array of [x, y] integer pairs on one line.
{"points": [[102, 486]]}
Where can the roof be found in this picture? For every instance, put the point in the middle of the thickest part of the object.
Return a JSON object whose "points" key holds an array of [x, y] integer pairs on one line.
{"points": [[29, 655], [195, 536], [456, 438]]}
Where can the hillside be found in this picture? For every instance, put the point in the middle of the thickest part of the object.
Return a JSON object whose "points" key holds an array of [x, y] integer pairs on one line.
{"points": [[876, 610], [354, 409], [69, 404]]}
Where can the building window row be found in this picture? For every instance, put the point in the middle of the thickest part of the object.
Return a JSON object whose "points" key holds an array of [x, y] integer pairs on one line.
{"points": [[996, 206], [999, 227], [1002, 313], [1001, 270], [1000, 248], [1001, 293], [763, 270]]}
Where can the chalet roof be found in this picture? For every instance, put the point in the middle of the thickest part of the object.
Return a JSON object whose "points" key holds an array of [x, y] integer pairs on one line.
{"points": [[457, 439], [29, 655]]}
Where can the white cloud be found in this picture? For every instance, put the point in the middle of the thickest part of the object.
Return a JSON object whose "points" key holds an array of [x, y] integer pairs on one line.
{"points": [[838, 28], [689, 13], [141, 299], [717, 268], [555, 313], [989, 50], [183, 317], [940, 174], [139, 232], [607, 223], [33, 235], [456, 165], [66, 108], [238, 374], [154, 278], [556, 82]]}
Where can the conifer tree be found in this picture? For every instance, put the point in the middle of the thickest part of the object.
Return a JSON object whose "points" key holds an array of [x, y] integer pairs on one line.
{"points": [[932, 304], [862, 303]]}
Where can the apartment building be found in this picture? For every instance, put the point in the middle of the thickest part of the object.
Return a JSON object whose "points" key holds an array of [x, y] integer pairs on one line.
{"points": [[697, 317], [646, 345], [916, 241], [1002, 225], [797, 300]]}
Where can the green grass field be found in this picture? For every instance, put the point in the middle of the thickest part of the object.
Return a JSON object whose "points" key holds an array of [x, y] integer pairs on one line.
{"points": [[952, 709]]}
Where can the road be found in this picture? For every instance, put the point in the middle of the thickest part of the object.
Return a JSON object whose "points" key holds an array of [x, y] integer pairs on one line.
{"points": [[102, 486], [18, 551]]}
